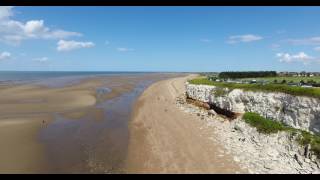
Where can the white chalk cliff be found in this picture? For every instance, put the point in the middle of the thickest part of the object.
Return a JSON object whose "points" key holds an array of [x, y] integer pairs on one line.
{"points": [[296, 111]]}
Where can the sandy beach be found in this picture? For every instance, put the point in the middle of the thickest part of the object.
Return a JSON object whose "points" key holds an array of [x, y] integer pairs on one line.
{"points": [[67, 129], [74, 129], [164, 139]]}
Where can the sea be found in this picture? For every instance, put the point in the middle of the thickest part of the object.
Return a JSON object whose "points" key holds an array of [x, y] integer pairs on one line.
{"points": [[9, 77]]}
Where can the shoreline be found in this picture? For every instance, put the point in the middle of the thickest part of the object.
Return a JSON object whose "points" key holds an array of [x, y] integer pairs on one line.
{"points": [[168, 134], [77, 128], [164, 139]]}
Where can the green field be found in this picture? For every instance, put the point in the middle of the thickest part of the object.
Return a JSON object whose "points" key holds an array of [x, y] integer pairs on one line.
{"points": [[293, 90], [288, 79]]}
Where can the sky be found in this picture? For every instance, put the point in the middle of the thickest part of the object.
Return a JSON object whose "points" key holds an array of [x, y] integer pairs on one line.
{"points": [[179, 39]]}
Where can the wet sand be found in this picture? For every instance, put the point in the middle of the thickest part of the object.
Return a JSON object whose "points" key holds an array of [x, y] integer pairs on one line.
{"points": [[20, 150], [70, 128], [164, 139], [25, 110]]}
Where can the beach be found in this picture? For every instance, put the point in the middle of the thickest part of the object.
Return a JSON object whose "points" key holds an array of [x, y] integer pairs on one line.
{"points": [[164, 139], [108, 124], [78, 127]]}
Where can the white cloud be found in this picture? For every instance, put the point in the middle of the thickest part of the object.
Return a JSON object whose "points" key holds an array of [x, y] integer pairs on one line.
{"points": [[300, 57], [41, 60], [5, 55], [13, 32], [317, 48], [61, 34], [205, 40], [5, 12], [243, 38], [34, 26], [306, 41], [121, 49], [72, 45]]}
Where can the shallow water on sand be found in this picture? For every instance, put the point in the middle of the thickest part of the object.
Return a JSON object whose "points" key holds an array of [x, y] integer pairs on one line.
{"points": [[96, 142]]}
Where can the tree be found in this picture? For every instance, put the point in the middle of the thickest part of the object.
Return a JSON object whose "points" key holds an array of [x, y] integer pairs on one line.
{"points": [[283, 81], [247, 74], [311, 81]]}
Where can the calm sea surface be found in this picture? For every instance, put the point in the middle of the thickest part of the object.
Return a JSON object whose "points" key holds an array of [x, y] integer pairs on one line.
{"points": [[57, 78], [31, 76]]}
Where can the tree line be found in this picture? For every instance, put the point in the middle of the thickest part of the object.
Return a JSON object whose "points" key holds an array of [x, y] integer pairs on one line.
{"points": [[246, 74]]}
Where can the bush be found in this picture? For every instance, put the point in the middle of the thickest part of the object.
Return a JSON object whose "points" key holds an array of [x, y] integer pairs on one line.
{"points": [[247, 74], [262, 124], [316, 85], [311, 82], [314, 140], [219, 91], [268, 126]]}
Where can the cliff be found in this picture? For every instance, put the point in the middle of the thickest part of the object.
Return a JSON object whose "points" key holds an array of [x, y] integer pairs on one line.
{"points": [[296, 111]]}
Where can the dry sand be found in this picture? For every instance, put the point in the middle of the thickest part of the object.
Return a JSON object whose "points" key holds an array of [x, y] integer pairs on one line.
{"points": [[164, 139]]}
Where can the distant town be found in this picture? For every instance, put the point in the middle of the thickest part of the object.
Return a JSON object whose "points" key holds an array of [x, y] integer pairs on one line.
{"points": [[299, 74], [281, 73], [301, 79]]}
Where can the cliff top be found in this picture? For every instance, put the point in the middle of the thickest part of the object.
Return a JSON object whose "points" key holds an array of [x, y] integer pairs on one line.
{"points": [[283, 88]]}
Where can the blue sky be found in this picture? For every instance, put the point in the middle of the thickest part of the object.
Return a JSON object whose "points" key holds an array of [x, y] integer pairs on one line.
{"points": [[160, 38]]}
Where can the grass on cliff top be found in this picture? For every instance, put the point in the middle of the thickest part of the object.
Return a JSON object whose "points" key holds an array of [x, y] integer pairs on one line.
{"points": [[268, 126], [293, 90], [219, 91]]}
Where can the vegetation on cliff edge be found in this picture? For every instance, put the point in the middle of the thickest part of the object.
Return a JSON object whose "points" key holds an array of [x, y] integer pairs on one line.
{"points": [[268, 126], [292, 90], [262, 124]]}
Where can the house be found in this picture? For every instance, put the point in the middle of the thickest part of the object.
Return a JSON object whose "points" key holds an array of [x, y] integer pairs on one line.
{"points": [[253, 81], [293, 84], [306, 86]]}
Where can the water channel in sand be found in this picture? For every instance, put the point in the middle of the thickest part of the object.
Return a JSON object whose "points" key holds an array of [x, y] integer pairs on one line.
{"points": [[97, 141]]}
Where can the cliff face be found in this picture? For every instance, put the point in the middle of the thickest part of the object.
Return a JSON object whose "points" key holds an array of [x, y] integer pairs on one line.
{"points": [[296, 111]]}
